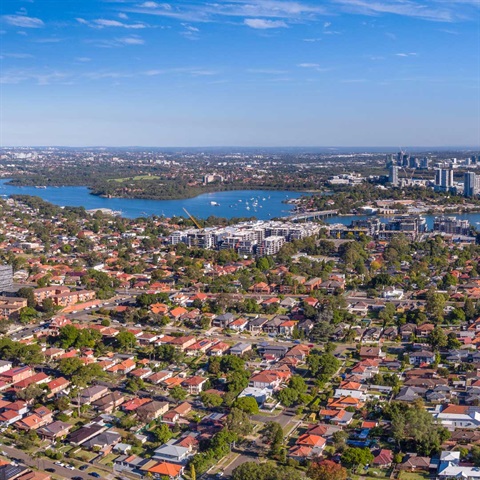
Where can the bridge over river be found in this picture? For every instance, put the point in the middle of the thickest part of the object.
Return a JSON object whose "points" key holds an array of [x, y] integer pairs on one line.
{"points": [[318, 215]]}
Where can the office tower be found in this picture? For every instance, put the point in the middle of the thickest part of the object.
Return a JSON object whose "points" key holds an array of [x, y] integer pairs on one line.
{"points": [[443, 179], [6, 278], [471, 184], [425, 163], [388, 160], [393, 175], [473, 160], [400, 157], [413, 162]]}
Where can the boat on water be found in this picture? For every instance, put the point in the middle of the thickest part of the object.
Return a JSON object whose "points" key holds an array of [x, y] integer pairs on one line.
{"points": [[41, 186], [215, 204]]}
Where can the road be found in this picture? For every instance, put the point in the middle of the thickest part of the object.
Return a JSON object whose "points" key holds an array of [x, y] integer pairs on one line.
{"points": [[43, 463]]}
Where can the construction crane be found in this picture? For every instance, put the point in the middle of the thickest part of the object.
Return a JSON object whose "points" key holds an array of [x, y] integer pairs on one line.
{"points": [[192, 218]]}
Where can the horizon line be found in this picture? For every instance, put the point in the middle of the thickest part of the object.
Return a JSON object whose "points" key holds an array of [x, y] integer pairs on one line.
{"points": [[246, 146]]}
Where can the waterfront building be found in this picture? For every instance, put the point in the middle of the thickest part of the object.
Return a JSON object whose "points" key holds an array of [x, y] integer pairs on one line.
{"points": [[451, 225]]}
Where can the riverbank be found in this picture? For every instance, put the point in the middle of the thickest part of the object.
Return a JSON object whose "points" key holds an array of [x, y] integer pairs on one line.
{"points": [[170, 192], [261, 204]]}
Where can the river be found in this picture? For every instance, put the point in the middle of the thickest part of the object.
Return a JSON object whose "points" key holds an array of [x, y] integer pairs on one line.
{"points": [[262, 204]]}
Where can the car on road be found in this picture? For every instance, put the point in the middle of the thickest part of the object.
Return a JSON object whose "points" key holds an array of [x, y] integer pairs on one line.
{"points": [[95, 474], [77, 478], [50, 470], [83, 467], [60, 464], [70, 467]]}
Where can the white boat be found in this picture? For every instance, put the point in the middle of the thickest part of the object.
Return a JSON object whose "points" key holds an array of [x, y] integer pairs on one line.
{"points": [[215, 204]]}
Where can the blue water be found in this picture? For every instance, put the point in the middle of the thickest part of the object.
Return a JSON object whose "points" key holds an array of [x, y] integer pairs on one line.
{"points": [[232, 203]]}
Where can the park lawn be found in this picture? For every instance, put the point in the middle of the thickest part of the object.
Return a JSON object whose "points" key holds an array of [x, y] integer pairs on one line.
{"points": [[370, 476], [413, 476], [138, 177], [84, 455], [108, 458]]}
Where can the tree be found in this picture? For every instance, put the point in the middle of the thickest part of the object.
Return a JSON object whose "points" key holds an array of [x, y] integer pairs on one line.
{"points": [[27, 292], [162, 433], [414, 426], [27, 314], [265, 471], [387, 313], [193, 474], [238, 422], [475, 454], [87, 374], [166, 353], [326, 470], [469, 308], [69, 366], [288, 396], [437, 338], [435, 304], [452, 341], [298, 383], [211, 399], [32, 392], [125, 340], [178, 393], [247, 404], [323, 366], [134, 384], [354, 457], [339, 437], [273, 435]]}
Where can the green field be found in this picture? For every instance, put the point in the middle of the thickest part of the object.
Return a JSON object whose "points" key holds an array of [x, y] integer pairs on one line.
{"points": [[136, 178]]}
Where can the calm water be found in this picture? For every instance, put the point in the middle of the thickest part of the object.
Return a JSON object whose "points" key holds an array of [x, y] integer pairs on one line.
{"points": [[261, 204]]}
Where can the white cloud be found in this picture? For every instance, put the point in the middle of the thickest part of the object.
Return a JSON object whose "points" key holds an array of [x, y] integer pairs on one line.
{"points": [[412, 54], [314, 66], [130, 40], [16, 55], [123, 16], [440, 11], [101, 22], [155, 5], [282, 10], [23, 21], [82, 59], [105, 23], [267, 71], [262, 24]]}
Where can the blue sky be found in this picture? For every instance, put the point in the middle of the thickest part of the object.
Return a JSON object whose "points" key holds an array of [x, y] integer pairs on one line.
{"points": [[240, 72]]}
